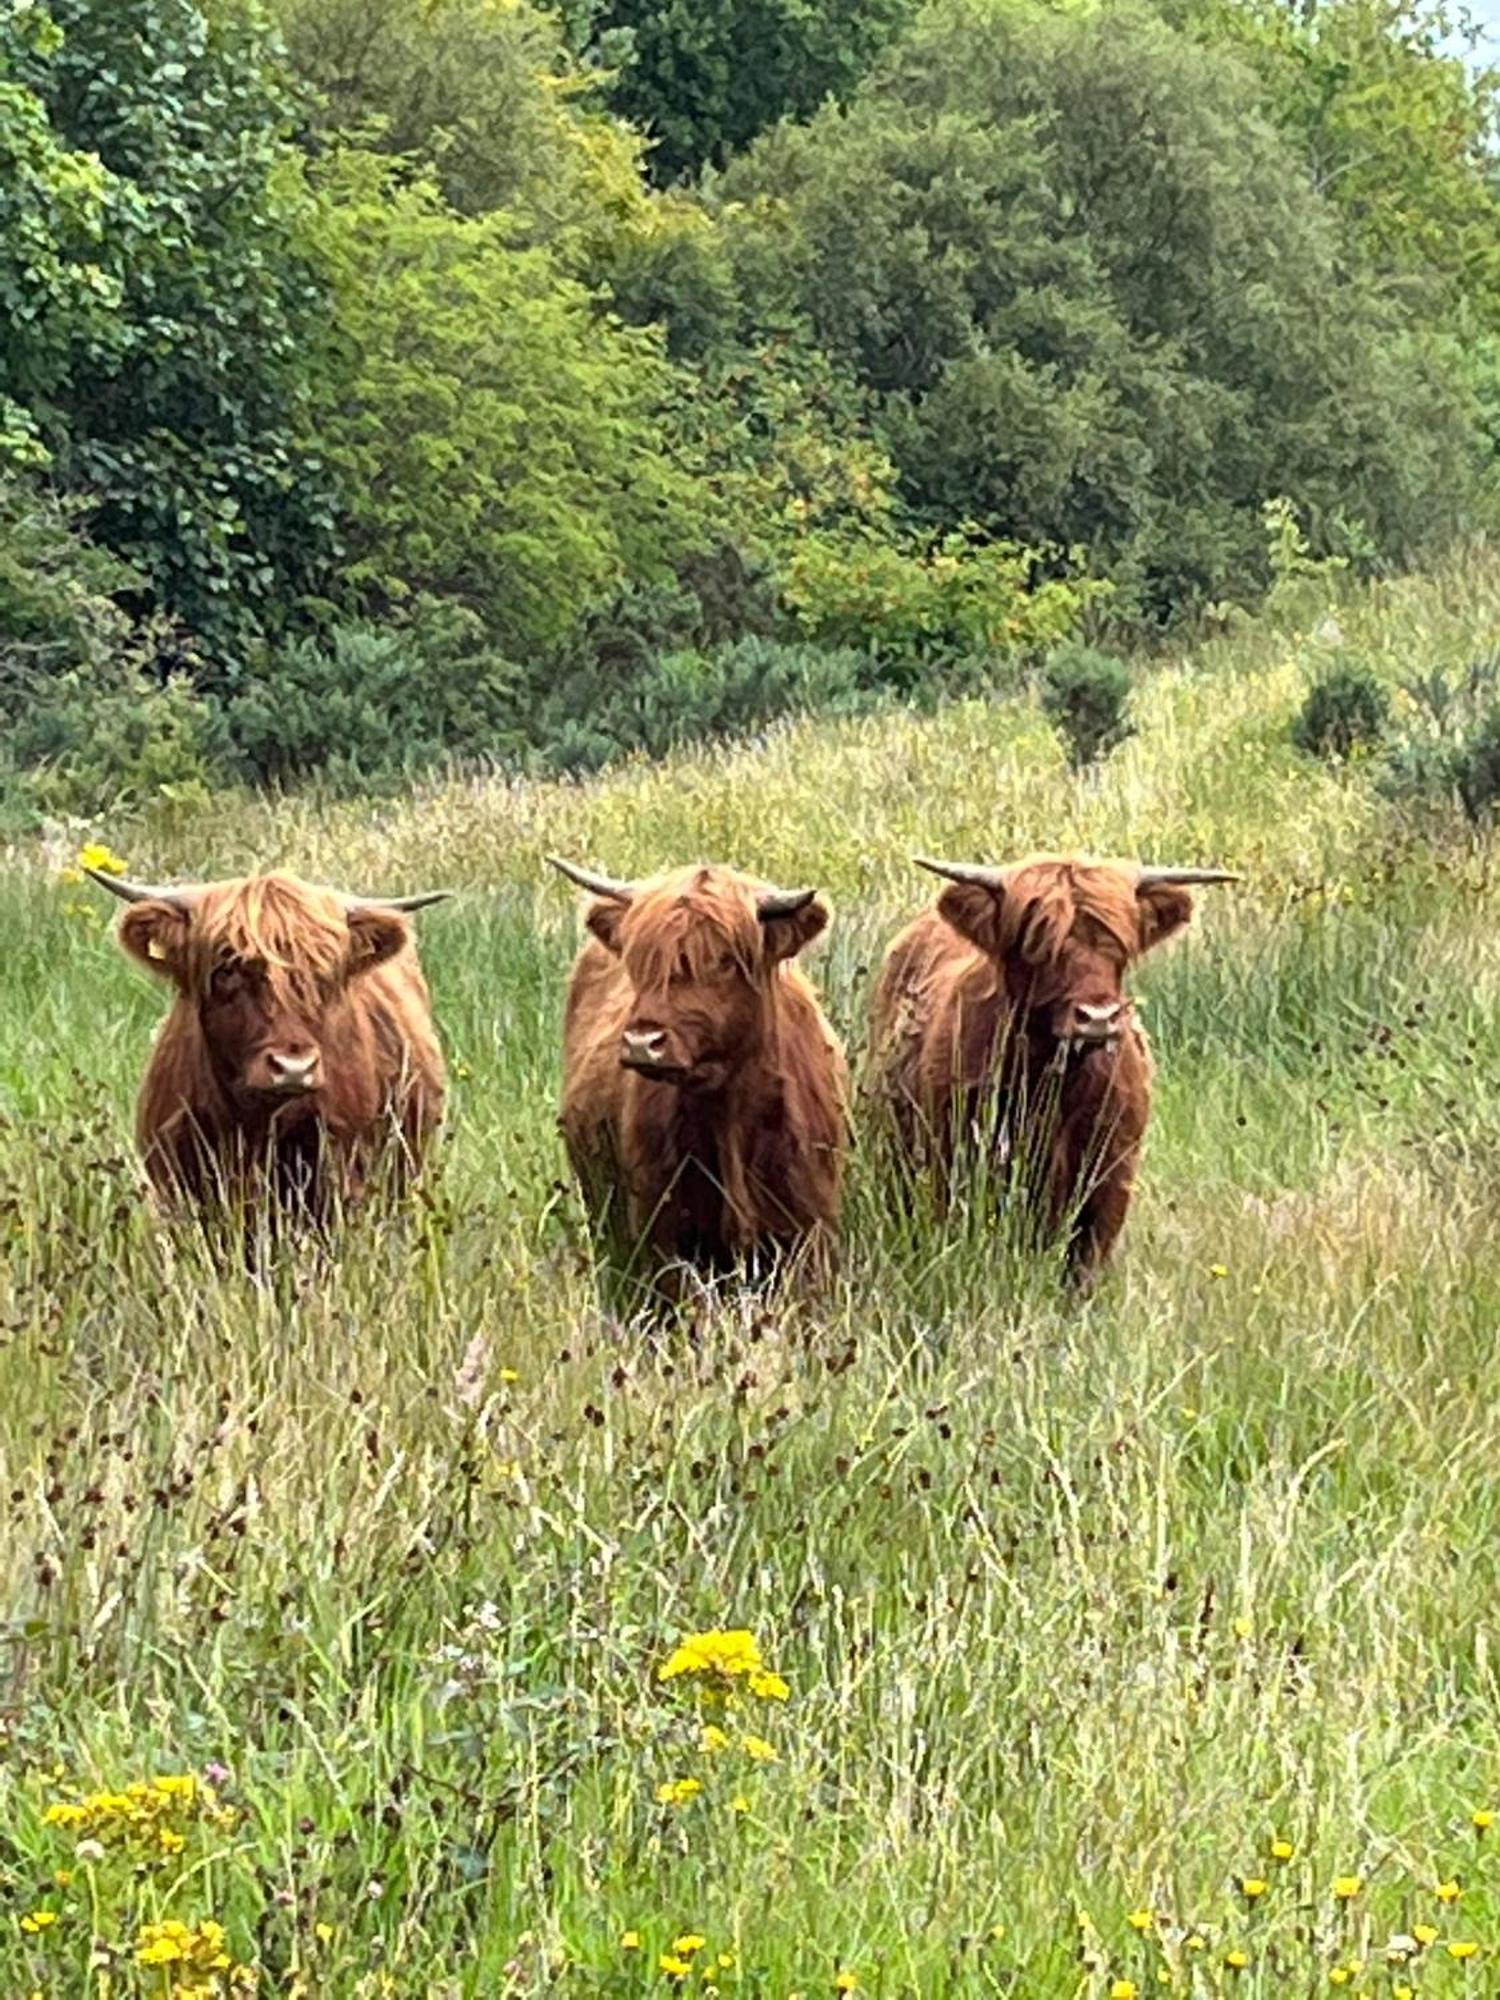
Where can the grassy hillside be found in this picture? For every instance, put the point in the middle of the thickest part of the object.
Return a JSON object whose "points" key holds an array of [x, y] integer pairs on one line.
{"points": [[1079, 1610]]}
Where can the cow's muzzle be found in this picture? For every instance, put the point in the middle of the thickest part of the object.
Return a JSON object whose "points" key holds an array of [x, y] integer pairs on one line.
{"points": [[645, 1051], [291, 1076]]}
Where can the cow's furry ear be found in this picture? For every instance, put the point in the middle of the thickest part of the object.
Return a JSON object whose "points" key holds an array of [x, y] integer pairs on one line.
{"points": [[374, 936], [786, 936], [1165, 907], [156, 934], [975, 911], [603, 917]]}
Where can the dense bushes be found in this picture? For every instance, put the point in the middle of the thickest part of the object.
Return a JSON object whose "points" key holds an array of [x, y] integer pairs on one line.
{"points": [[363, 404]]}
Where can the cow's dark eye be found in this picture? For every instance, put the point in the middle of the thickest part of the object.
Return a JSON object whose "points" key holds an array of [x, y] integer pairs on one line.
{"points": [[225, 981]]}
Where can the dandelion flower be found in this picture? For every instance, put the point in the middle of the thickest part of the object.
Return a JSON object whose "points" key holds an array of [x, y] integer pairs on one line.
{"points": [[1347, 1887], [323, 1932], [1243, 1627], [1124, 1989], [672, 1966], [846, 1982], [1252, 1886], [630, 1941], [712, 1739], [739, 1803], [688, 1943], [726, 1961], [1481, 1819], [1401, 1993], [1141, 1920], [1218, 1270], [758, 1748], [1462, 1948], [731, 1655], [768, 1686], [678, 1791], [39, 1920], [1237, 1960], [1447, 1892], [1340, 1976], [1425, 1933], [1282, 1850]]}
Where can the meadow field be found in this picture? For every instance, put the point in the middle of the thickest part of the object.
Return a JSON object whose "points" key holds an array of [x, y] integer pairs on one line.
{"points": [[1140, 1646]]}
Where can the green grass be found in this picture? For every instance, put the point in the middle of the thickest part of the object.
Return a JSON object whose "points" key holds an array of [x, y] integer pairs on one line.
{"points": [[1078, 1607]]}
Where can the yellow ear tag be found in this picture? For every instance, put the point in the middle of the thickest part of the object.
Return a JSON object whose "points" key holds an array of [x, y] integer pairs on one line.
{"points": [[154, 950]]}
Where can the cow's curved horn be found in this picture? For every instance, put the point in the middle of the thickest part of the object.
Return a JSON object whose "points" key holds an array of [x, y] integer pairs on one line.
{"points": [[773, 903], [597, 885], [401, 904], [1149, 877], [964, 871], [180, 897]]}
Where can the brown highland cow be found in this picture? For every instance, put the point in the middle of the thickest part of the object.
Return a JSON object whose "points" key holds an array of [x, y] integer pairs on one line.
{"points": [[299, 1047], [704, 1095], [1001, 1036]]}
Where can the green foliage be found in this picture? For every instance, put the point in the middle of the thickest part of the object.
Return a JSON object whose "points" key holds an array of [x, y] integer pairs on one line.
{"points": [[1347, 710], [496, 440], [702, 77], [950, 595], [368, 707], [590, 717], [1445, 751], [1095, 302], [158, 314], [1394, 127], [91, 718], [481, 92], [1086, 696]]}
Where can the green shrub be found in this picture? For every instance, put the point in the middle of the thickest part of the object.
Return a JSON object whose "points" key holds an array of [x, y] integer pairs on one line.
{"points": [[98, 710], [1085, 696], [1346, 710], [689, 695], [1445, 748], [368, 706]]}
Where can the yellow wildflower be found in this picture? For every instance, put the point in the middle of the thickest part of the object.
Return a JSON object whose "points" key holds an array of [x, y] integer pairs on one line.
{"points": [[1282, 1850], [739, 1803], [169, 1840], [323, 1932], [678, 1791], [846, 1982], [1237, 1960], [1447, 1892], [39, 1920], [1140, 1920], [758, 1748], [630, 1941], [1401, 1993], [1196, 1943], [1252, 1886], [1425, 1933], [672, 1966], [1218, 1270], [768, 1686], [1462, 1948], [1346, 1887], [1242, 1627], [62, 1877], [727, 1654], [1482, 1819], [726, 1961], [1123, 1989], [712, 1739], [688, 1943], [1340, 1976]]}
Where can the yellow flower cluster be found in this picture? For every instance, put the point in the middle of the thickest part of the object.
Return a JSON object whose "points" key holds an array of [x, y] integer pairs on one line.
{"points": [[152, 1813], [683, 1959], [94, 855], [195, 1958], [723, 1663]]}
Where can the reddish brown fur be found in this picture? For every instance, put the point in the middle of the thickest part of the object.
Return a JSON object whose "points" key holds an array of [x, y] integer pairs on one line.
{"points": [[272, 965], [969, 1013], [743, 1154]]}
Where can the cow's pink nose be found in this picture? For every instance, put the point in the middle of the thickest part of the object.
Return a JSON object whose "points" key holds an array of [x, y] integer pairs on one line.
{"points": [[643, 1047], [293, 1069], [1098, 1020]]}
